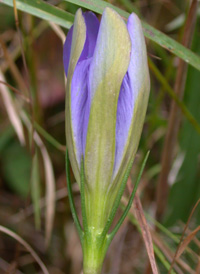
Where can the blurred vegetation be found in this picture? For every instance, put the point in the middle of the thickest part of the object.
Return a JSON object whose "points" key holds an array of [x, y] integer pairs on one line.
{"points": [[32, 147]]}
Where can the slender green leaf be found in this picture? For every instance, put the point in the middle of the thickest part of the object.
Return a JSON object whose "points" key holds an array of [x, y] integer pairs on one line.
{"points": [[173, 95], [125, 213], [150, 32], [11, 110], [117, 199], [35, 189], [49, 138], [49, 179], [44, 11], [65, 19], [71, 201]]}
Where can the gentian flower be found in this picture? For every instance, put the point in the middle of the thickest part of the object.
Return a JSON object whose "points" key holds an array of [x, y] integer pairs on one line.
{"points": [[106, 101]]}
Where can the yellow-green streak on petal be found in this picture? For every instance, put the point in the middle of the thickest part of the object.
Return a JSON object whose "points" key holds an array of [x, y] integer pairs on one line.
{"points": [[78, 41], [110, 63], [140, 107]]}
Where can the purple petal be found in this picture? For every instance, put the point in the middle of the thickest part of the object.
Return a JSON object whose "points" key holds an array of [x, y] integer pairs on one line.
{"points": [[80, 106], [124, 117], [67, 50], [130, 88], [138, 63], [92, 28]]}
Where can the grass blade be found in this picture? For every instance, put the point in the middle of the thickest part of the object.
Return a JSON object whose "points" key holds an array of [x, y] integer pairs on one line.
{"points": [[150, 32], [139, 213], [50, 194], [11, 110], [35, 190], [50, 13], [71, 200], [186, 242], [44, 11], [50, 182], [26, 245]]}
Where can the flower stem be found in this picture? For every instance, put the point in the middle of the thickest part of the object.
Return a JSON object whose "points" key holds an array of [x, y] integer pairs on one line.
{"points": [[94, 250]]}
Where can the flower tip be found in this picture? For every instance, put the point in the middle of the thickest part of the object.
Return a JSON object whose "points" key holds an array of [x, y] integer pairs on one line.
{"points": [[79, 11], [107, 9], [134, 19], [110, 13], [78, 14]]}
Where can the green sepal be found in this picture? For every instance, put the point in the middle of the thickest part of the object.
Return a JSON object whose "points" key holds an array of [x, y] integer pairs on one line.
{"points": [[71, 200], [118, 199], [128, 207], [78, 42], [108, 67], [95, 244]]}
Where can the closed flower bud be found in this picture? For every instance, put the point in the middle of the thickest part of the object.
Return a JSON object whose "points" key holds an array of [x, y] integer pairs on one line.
{"points": [[106, 101]]}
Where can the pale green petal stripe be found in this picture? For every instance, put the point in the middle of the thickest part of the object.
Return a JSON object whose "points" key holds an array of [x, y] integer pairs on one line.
{"points": [[109, 65], [140, 84], [78, 41]]}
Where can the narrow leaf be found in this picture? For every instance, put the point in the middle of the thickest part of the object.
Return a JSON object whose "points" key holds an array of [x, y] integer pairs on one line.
{"points": [[186, 242], [47, 12], [71, 200], [139, 213], [44, 11], [50, 189], [150, 32], [125, 213], [11, 110], [35, 189], [50, 182], [26, 245]]}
